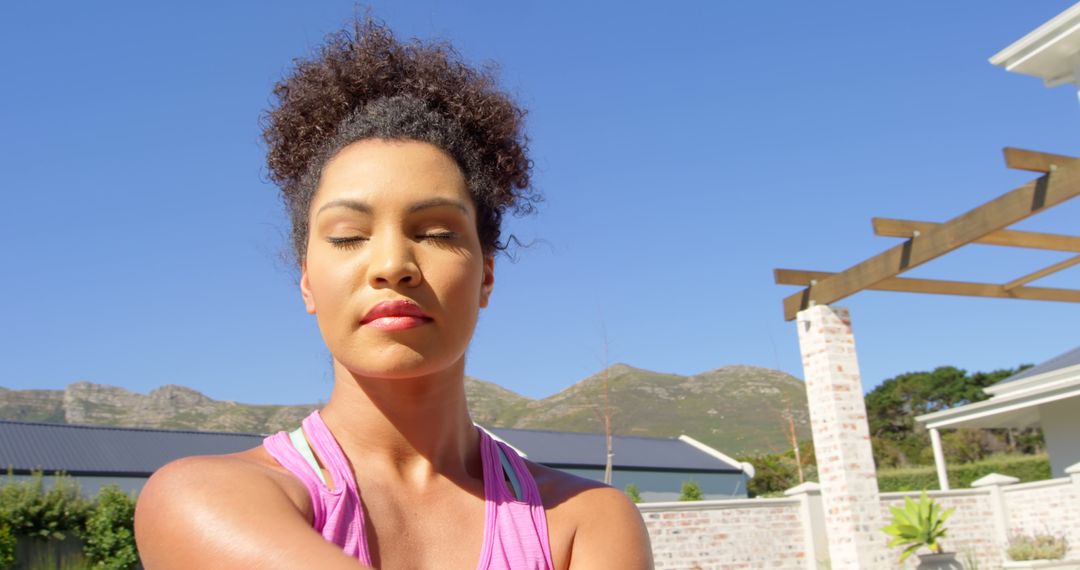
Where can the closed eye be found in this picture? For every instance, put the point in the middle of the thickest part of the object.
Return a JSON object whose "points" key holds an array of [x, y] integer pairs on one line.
{"points": [[346, 242], [439, 235]]}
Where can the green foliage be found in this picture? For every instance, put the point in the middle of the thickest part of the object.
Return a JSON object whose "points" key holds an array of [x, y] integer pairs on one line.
{"points": [[1024, 467], [1037, 547], [7, 546], [691, 491], [893, 405], [773, 474], [920, 523], [32, 511], [110, 534], [778, 472], [633, 492]]}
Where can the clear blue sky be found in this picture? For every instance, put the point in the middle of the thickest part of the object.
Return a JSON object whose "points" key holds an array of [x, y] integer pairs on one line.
{"points": [[684, 152]]}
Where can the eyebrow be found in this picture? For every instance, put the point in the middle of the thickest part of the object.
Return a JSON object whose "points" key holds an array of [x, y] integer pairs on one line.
{"points": [[437, 202], [365, 208]]}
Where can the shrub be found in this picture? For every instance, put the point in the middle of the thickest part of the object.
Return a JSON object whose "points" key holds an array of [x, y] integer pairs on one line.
{"points": [[633, 493], [7, 546], [1024, 467], [110, 533], [691, 491], [773, 474], [32, 511], [1037, 547]]}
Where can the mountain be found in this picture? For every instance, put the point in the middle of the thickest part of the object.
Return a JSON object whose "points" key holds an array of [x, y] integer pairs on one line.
{"points": [[736, 409]]}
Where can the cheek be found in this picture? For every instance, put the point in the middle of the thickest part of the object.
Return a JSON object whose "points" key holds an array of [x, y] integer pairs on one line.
{"points": [[458, 285]]}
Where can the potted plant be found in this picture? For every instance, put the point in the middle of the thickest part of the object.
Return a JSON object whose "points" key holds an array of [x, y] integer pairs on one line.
{"points": [[1039, 551], [921, 524]]}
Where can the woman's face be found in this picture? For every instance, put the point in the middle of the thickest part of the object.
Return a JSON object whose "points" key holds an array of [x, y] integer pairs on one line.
{"points": [[394, 271]]}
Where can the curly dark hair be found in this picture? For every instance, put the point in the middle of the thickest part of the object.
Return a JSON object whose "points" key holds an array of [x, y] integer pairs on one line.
{"points": [[366, 84]]}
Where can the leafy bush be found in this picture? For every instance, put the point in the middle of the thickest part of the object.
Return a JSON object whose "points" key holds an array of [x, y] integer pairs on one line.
{"points": [[776, 473], [7, 546], [1024, 467], [920, 523], [691, 491], [1037, 547], [773, 474], [110, 534], [633, 492], [32, 511]]}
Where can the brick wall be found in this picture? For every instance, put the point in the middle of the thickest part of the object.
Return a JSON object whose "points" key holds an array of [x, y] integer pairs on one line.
{"points": [[778, 534], [1045, 507], [715, 535]]}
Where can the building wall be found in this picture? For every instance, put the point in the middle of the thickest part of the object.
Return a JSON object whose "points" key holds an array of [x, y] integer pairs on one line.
{"points": [[91, 485], [1045, 507], [1060, 423], [713, 535], [664, 486]]}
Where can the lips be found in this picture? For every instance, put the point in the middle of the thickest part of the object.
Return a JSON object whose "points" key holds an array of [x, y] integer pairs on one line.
{"points": [[395, 315]]}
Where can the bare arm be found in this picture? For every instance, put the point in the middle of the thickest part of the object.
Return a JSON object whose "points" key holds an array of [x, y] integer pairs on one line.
{"points": [[222, 512], [610, 534]]}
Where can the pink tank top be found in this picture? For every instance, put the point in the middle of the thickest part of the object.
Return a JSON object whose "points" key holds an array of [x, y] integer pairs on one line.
{"points": [[515, 530]]}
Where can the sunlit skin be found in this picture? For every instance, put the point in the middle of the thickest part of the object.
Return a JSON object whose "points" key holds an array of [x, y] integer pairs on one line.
{"points": [[391, 221]]}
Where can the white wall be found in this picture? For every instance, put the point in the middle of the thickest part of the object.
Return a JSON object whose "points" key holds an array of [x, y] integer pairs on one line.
{"points": [[667, 486], [1061, 426], [89, 486]]}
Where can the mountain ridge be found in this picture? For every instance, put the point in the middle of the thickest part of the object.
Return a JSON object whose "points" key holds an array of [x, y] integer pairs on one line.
{"points": [[738, 409]]}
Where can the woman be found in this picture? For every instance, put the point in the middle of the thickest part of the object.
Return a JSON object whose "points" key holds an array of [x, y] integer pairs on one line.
{"points": [[396, 162]]}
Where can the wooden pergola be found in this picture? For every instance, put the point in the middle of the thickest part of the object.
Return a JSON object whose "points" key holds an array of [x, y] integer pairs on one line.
{"points": [[986, 224]]}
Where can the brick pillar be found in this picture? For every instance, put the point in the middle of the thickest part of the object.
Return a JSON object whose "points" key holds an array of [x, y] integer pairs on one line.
{"points": [[845, 462]]}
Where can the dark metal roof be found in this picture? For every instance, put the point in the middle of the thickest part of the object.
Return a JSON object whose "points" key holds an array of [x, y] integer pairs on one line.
{"points": [[100, 450], [1071, 358], [83, 450], [568, 449]]}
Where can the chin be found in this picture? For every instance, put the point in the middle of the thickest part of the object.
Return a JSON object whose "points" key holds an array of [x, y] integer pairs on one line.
{"points": [[397, 362]]}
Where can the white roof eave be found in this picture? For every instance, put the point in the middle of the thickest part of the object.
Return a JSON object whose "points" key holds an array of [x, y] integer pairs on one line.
{"points": [[999, 406], [1049, 52]]}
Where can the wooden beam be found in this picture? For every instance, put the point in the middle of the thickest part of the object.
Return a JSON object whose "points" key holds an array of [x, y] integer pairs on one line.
{"points": [[892, 227], [1041, 273], [937, 287], [1021, 159], [1047, 191]]}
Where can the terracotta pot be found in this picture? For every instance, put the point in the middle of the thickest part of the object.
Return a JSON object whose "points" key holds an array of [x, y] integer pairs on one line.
{"points": [[940, 561]]}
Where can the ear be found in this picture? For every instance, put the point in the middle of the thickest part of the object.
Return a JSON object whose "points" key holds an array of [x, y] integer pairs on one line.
{"points": [[489, 280], [305, 288]]}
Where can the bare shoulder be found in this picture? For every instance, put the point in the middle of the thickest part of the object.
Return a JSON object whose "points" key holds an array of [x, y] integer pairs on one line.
{"points": [[586, 519], [228, 511]]}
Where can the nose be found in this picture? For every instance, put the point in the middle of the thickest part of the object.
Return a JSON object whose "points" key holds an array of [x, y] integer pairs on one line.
{"points": [[392, 263]]}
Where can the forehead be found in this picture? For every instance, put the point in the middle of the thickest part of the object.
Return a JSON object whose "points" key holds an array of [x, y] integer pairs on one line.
{"points": [[390, 172]]}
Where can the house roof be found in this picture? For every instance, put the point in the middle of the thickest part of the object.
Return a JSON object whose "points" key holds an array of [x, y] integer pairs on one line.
{"points": [[569, 449], [1070, 358], [138, 452], [1014, 402], [84, 450], [1048, 51]]}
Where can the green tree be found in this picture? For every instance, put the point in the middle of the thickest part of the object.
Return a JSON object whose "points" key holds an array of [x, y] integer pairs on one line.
{"points": [[633, 492], [110, 535], [893, 405], [7, 546], [691, 491]]}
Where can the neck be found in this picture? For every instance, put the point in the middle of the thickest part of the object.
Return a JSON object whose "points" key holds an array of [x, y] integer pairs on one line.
{"points": [[414, 428]]}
